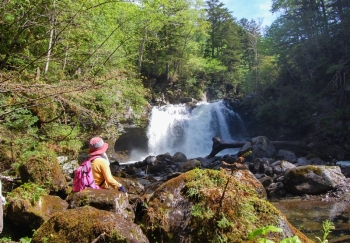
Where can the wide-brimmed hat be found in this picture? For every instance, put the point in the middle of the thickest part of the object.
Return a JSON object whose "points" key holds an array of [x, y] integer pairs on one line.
{"points": [[97, 146]]}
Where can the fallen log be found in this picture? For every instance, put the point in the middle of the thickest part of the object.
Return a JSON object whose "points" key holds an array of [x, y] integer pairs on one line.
{"points": [[219, 145]]}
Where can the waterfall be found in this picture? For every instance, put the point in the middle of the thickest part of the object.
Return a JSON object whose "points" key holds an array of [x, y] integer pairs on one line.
{"points": [[177, 128]]}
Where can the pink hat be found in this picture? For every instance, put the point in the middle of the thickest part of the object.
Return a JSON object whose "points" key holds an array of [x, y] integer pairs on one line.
{"points": [[97, 146]]}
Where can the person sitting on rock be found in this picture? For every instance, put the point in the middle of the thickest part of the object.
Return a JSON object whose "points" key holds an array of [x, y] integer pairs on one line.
{"points": [[100, 166]]}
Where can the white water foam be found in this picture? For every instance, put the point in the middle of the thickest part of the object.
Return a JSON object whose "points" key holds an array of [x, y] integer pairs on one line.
{"points": [[176, 128]]}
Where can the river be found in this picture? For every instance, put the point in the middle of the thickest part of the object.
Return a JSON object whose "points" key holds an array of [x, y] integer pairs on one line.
{"points": [[308, 216]]}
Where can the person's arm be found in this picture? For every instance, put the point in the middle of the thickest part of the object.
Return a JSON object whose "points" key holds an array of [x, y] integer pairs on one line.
{"points": [[106, 171]]}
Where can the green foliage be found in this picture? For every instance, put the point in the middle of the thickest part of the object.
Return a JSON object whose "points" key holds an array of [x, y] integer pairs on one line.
{"points": [[29, 191], [328, 226], [293, 239], [266, 230], [25, 240], [5, 239], [292, 109], [20, 120]]}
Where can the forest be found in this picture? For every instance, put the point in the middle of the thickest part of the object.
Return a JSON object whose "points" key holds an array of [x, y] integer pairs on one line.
{"points": [[72, 68]]}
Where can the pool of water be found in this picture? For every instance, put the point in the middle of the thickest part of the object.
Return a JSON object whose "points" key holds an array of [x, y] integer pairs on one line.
{"points": [[308, 217]]}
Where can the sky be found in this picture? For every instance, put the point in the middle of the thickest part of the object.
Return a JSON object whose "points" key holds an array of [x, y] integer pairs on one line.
{"points": [[251, 9]]}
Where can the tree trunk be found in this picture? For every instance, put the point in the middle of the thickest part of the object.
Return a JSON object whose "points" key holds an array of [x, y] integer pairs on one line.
{"points": [[50, 41]]}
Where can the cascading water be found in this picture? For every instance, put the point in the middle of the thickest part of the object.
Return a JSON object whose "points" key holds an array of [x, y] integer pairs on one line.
{"points": [[177, 128]]}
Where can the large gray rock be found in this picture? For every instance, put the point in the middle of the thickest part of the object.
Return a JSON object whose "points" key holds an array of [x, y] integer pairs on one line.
{"points": [[261, 147], [290, 156], [313, 179], [281, 166], [302, 161], [179, 157]]}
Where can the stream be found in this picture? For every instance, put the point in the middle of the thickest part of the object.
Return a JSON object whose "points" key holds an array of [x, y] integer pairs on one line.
{"points": [[308, 216]]}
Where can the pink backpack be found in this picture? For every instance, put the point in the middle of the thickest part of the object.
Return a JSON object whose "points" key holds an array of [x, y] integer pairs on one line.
{"points": [[83, 177]]}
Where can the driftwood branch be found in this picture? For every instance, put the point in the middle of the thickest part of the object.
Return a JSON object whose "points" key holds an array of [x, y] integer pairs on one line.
{"points": [[219, 145]]}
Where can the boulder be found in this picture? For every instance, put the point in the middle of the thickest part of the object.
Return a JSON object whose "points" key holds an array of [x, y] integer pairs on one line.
{"points": [[88, 224], [281, 166], [109, 200], [45, 171], [290, 156], [29, 209], [206, 205], [190, 165], [313, 179], [179, 157], [266, 181], [310, 161], [260, 147], [164, 157], [276, 190]]}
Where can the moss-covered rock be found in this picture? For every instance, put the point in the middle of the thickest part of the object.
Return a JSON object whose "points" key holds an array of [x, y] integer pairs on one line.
{"points": [[211, 206], [29, 206], [43, 169], [86, 224], [133, 187], [313, 179], [110, 200]]}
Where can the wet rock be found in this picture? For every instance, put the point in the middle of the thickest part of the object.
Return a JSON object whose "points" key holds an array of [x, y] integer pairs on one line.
{"points": [[109, 200], [230, 159], [157, 169], [287, 155], [150, 160], [87, 224], [310, 160], [179, 157], [210, 162], [266, 181], [302, 161], [256, 165], [190, 165], [281, 166], [276, 190], [165, 157], [130, 170], [269, 171], [313, 179], [261, 147]]}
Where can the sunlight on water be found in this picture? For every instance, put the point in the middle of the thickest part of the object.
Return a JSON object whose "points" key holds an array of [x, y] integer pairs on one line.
{"points": [[308, 216]]}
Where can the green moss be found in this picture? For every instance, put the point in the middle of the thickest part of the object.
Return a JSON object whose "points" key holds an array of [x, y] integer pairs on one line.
{"points": [[223, 208], [304, 170], [27, 191]]}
